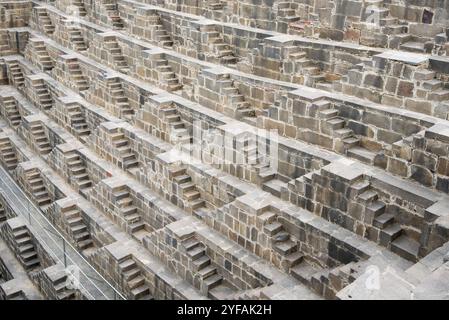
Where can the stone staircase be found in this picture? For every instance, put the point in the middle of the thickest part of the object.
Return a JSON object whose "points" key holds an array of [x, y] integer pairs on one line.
{"points": [[397, 30], [414, 44], [203, 269], [285, 11], [441, 45], [240, 108], [44, 97], [305, 272], [40, 50], [3, 218], [179, 134], [333, 125], [400, 38], [267, 177], [77, 40], [115, 51], [375, 18], [357, 151], [40, 138], [11, 111], [5, 49], [113, 14], [25, 249], [78, 122], [272, 181], [221, 51], [57, 284], [434, 88], [128, 157], [78, 173], [215, 5], [391, 233], [8, 154], [76, 75], [129, 212], [16, 74], [44, 20], [78, 228], [134, 280], [162, 37], [15, 295], [311, 71], [168, 79], [428, 86], [281, 240], [187, 189], [119, 98], [79, 4], [38, 189]]}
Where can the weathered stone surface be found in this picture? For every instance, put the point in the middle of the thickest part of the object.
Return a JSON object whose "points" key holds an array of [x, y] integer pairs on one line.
{"points": [[245, 150]]}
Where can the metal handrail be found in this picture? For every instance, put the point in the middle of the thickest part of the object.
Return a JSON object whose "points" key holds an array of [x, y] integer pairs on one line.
{"points": [[117, 294]]}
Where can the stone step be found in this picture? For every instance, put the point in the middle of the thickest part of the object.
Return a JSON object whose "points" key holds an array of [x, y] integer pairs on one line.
{"points": [[373, 210], [127, 265], [20, 234], [26, 248], [196, 252], [368, 196], [294, 259], [285, 247], [197, 204], [31, 264], [342, 133], [328, 113], [191, 243], [413, 46], [81, 236], [29, 256], [23, 241], [273, 228], [432, 85], [274, 186], [142, 292], [361, 154], [79, 228], [406, 247], [335, 123], [191, 195], [351, 142], [390, 233], [207, 271], [383, 220], [75, 221], [201, 262], [212, 281], [131, 273], [136, 282], [221, 292], [303, 272]]}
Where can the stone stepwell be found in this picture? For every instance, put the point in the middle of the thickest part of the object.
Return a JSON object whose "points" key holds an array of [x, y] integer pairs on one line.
{"points": [[225, 150]]}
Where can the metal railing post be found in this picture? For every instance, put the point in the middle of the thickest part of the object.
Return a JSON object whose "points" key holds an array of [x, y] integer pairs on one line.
{"points": [[17, 41], [29, 213], [65, 256]]}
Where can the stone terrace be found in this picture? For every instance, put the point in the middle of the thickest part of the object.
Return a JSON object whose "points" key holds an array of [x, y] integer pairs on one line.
{"points": [[116, 118]]}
